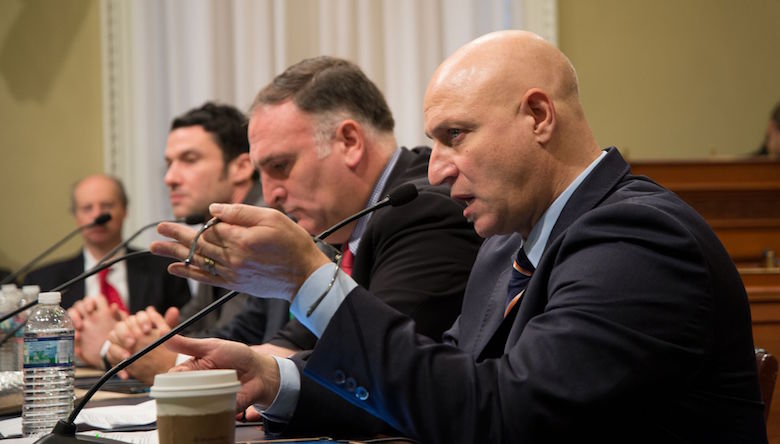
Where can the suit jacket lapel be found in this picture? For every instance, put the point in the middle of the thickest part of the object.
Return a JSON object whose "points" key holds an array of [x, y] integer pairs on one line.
{"points": [[361, 269], [492, 265], [490, 338], [595, 188]]}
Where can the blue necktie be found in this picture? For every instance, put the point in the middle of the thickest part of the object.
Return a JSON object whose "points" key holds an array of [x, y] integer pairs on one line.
{"points": [[522, 269]]}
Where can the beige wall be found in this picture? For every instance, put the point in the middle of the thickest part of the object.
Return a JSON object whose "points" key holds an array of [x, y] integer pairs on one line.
{"points": [[50, 119], [662, 78], [675, 78]]}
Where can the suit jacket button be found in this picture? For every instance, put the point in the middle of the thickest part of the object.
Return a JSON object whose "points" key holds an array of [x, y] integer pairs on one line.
{"points": [[339, 377], [361, 393], [350, 384]]}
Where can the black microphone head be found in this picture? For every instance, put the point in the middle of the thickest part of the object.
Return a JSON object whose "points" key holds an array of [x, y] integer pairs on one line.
{"points": [[102, 219], [195, 219], [403, 194]]}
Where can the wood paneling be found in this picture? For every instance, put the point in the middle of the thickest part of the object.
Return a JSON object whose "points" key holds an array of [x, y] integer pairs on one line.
{"points": [[739, 198]]}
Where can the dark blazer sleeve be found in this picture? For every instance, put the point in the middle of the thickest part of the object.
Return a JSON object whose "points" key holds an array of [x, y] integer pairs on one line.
{"points": [[258, 320], [613, 339], [330, 415], [415, 258]]}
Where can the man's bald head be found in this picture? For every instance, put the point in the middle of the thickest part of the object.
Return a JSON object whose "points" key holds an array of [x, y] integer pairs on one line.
{"points": [[92, 196], [508, 131], [504, 65]]}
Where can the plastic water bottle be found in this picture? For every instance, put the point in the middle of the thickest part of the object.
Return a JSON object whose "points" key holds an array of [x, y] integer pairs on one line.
{"points": [[48, 366]]}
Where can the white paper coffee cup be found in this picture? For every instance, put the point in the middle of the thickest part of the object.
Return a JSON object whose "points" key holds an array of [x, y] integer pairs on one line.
{"points": [[197, 406]]}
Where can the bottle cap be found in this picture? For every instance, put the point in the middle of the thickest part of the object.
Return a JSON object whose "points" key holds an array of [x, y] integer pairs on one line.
{"points": [[31, 289], [49, 297]]}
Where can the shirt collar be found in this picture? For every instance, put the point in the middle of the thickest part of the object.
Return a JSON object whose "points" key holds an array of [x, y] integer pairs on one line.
{"points": [[90, 261], [540, 234], [376, 194]]}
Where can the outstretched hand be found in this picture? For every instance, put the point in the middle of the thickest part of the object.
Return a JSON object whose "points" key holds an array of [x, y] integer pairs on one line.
{"points": [[258, 373], [254, 250]]}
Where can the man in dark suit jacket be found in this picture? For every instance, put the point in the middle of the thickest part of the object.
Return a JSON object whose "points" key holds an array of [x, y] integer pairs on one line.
{"points": [[139, 282], [622, 318]]}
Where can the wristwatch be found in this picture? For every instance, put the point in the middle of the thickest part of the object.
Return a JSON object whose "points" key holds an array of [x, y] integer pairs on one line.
{"points": [[103, 354]]}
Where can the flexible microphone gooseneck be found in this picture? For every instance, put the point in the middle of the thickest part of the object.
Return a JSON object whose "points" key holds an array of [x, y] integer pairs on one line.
{"points": [[65, 430], [396, 197], [101, 219], [76, 279], [189, 220], [101, 265]]}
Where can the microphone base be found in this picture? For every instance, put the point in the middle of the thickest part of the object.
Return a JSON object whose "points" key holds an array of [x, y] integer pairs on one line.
{"points": [[65, 433], [64, 439]]}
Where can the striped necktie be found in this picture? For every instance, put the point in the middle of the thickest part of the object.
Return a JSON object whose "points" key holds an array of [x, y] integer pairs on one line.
{"points": [[522, 269]]}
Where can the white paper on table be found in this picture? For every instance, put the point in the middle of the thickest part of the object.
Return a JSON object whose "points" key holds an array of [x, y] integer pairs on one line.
{"points": [[110, 417], [29, 440], [145, 437], [11, 427], [98, 417]]}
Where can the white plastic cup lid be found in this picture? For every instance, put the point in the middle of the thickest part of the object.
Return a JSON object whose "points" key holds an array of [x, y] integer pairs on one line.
{"points": [[195, 383], [49, 297]]}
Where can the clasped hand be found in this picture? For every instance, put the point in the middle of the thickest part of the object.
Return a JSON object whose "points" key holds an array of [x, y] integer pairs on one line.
{"points": [[93, 319]]}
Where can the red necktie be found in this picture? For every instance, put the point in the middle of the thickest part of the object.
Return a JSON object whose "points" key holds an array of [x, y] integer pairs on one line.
{"points": [[347, 260], [108, 290]]}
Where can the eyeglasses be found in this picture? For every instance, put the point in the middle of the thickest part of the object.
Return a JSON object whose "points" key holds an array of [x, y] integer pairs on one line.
{"points": [[213, 221]]}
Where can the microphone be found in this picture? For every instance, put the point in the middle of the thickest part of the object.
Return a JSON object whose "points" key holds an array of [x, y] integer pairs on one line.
{"points": [[65, 430], [76, 279], [189, 220], [101, 219], [400, 195]]}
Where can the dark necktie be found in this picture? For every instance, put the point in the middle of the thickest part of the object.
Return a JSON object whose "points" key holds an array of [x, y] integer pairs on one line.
{"points": [[109, 291], [522, 269]]}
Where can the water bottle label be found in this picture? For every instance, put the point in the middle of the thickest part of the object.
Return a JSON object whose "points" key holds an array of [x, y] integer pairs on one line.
{"points": [[54, 351]]}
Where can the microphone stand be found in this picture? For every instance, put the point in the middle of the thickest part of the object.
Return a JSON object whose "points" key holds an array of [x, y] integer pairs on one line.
{"points": [[400, 195], [100, 220], [103, 263], [78, 278]]}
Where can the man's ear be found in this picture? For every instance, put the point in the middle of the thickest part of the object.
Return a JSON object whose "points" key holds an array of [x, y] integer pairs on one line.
{"points": [[539, 107], [349, 139], [240, 169]]}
